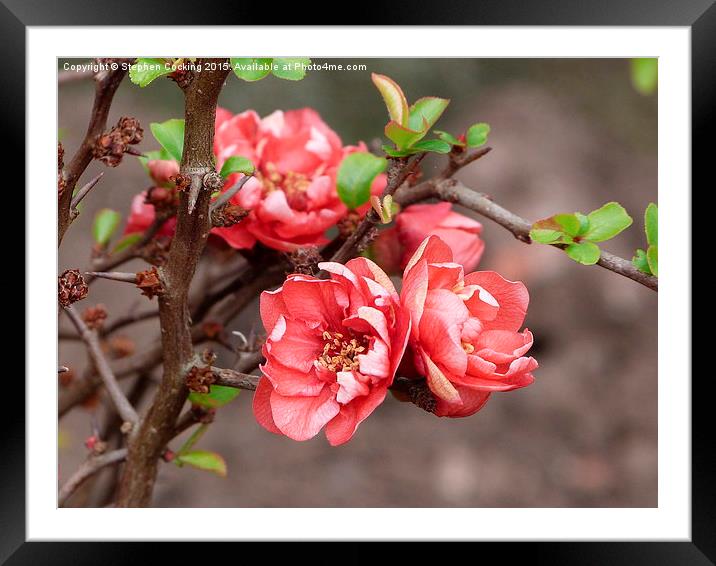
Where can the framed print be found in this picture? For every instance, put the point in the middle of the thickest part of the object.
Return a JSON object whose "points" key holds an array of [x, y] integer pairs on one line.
{"points": [[392, 281]]}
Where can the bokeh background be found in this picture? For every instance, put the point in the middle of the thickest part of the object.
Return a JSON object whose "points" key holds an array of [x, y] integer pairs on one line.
{"points": [[567, 135]]}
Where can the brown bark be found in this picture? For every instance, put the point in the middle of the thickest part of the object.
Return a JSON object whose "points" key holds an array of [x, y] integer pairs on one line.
{"points": [[157, 427]]}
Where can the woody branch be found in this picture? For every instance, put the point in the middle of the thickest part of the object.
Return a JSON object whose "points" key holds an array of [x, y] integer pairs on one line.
{"points": [[192, 230]]}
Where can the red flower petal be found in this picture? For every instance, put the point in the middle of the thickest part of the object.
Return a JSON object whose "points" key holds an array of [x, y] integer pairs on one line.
{"points": [[512, 297], [301, 418]]}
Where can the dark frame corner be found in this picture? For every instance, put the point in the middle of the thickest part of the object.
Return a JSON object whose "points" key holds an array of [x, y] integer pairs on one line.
{"points": [[700, 15]]}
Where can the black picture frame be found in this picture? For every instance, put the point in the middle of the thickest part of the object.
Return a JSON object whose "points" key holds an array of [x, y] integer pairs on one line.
{"points": [[699, 15]]}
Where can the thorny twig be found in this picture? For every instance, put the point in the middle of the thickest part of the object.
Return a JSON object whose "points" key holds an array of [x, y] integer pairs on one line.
{"points": [[82, 193], [225, 197]]}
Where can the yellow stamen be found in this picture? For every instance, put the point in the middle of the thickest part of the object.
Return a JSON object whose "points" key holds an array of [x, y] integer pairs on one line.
{"points": [[340, 354]]}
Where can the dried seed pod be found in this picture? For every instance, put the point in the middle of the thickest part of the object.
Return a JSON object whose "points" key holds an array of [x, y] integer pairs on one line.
{"points": [[228, 215], [72, 287], [199, 379], [130, 130], [182, 182], [149, 283], [111, 146]]}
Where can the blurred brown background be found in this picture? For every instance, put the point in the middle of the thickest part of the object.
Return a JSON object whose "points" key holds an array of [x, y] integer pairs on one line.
{"points": [[567, 135]]}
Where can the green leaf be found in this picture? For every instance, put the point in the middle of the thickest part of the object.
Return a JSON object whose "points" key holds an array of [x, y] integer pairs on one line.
{"points": [[393, 97], [645, 74], [204, 460], [641, 263], [569, 223], [170, 135], [105, 224], [586, 253], [546, 236], [425, 112], [401, 136], [434, 146], [651, 224], [355, 176], [477, 134], [449, 138], [218, 396], [291, 69], [237, 164], [549, 231], [392, 152], [144, 71], [606, 222], [652, 256], [583, 223], [251, 69], [128, 240]]}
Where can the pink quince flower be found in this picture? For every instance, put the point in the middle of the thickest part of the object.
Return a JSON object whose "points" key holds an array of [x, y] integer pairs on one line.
{"points": [[465, 334], [394, 247], [292, 197], [332, 350], [141, 213]]}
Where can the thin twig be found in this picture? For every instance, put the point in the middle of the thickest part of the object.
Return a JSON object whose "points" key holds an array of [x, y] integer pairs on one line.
{"points": [[236, 379], [90, 467], [225, 197], [114, 276], [454, 191], [116, 259], [82, 193], [460, 160], [123, 406]]}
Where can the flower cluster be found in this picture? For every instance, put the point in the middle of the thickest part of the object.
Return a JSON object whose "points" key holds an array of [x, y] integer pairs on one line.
{"points": [[291, 199], [334, 345]]}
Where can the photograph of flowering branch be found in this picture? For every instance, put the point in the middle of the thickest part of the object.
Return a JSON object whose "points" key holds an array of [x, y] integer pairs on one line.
{"points": [[312, 283]]}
